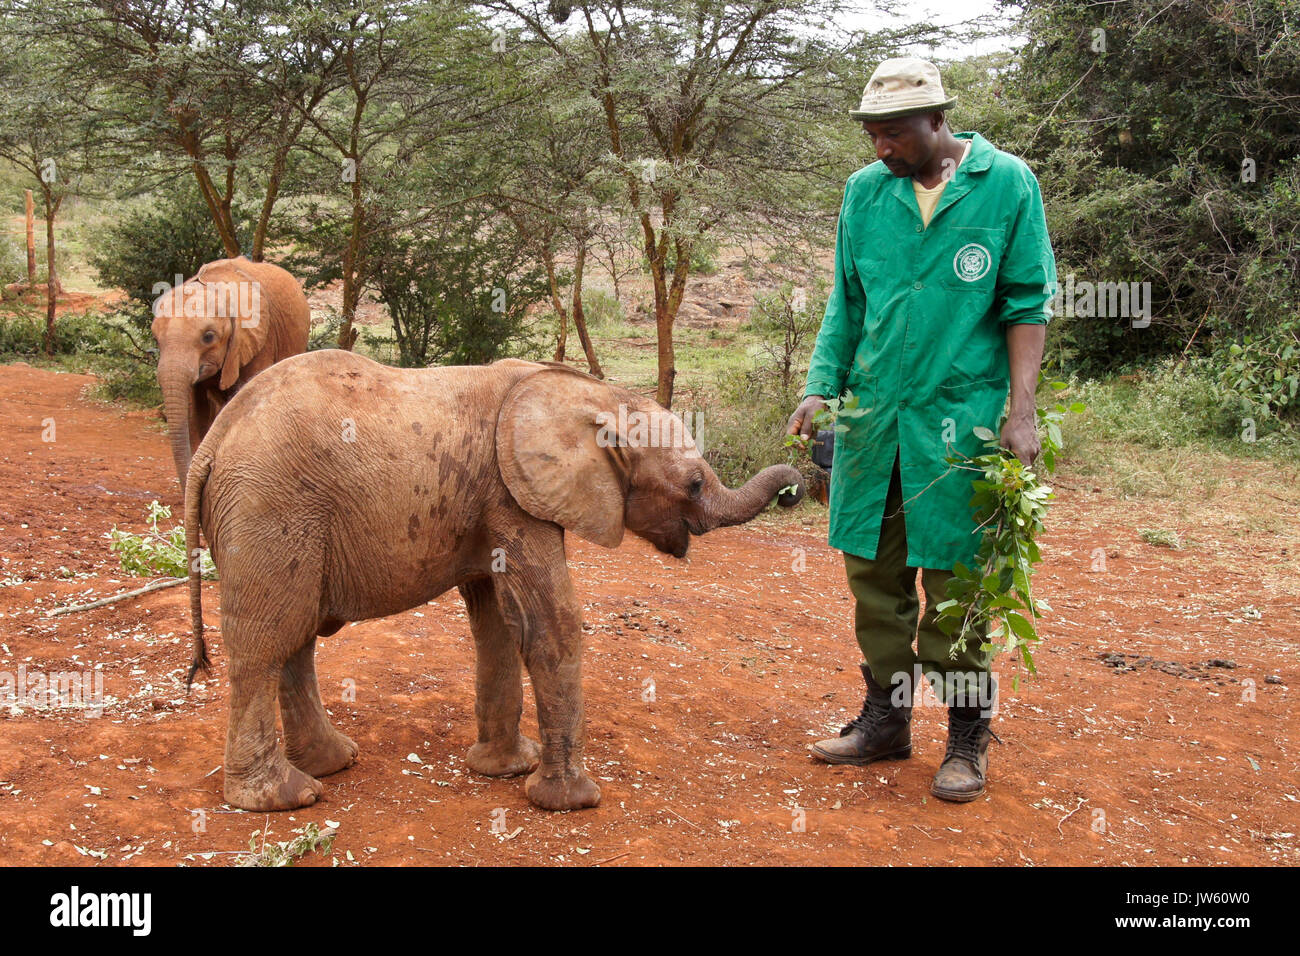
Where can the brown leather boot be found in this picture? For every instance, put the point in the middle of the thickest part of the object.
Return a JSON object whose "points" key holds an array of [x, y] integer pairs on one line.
{"points": [[961, 776], [883, 731]]}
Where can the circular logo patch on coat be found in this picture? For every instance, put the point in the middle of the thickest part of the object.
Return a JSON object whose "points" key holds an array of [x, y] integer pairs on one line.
{"points": [[972, 262]]}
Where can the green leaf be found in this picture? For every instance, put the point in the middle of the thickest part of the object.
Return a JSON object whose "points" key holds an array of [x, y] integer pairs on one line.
{"points": [[1021, 627]]}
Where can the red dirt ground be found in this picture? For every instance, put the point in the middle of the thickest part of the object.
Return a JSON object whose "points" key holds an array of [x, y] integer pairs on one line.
{"points": [[1164, 760]]}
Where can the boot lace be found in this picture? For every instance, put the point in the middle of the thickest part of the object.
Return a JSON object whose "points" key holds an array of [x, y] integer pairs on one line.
{"points": [[873, 713], [964, 739]]}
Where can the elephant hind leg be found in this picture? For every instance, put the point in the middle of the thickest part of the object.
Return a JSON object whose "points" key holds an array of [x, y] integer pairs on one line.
{"points": [[310, 740], [258, 774], [501, 750]]}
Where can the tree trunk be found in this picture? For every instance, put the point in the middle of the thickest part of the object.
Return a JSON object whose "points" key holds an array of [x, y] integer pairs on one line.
{"points": [[656, 253], [351, 296], [51, 278], [668, 300], [667, 358], [548, 259], [666, 318], [352, 255], [264, 218], [287, 142], [31, 242], [579, 319], [219, 209]]}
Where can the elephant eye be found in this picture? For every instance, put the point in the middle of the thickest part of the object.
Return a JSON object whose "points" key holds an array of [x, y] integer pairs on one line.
{"points": [[209, 337], [696, 486]]}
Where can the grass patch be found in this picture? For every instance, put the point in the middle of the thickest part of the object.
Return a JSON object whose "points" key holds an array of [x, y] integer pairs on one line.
{"points": [[1162, 538]]}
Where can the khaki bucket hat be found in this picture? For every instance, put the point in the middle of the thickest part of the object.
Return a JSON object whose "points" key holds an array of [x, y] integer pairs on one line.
{"points": [[901, 87]]}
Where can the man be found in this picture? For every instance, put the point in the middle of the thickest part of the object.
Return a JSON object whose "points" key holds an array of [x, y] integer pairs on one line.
{"points": [[943, 273]]}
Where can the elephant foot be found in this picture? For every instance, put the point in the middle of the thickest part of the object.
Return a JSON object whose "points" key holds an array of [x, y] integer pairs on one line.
{"points": [[572, 791], [322, 757], [281, 787], [495, 760]]}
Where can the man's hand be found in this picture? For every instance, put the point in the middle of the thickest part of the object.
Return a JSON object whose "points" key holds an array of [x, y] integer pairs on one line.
{"points": [[801, 422], [1020, 436]]}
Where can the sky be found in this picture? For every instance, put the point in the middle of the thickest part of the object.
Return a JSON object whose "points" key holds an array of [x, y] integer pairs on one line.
{"points": [[944, 12]]}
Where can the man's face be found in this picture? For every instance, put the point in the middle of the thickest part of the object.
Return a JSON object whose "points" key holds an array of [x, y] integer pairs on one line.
{"points": [[905, 145]]}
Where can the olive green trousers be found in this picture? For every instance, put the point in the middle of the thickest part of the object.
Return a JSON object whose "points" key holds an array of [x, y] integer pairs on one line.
{"points": [[885, 617]]}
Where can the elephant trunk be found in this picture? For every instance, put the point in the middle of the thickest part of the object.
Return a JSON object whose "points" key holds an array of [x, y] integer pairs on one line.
{"points": [[729, 507], [177, 384]]}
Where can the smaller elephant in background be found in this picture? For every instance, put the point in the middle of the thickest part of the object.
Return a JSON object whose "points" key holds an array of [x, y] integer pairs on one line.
{"points": [[216, 331]]}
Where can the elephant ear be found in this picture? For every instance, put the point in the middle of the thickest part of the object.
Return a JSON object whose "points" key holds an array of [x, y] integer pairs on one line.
{"points": [[560, 453], [250, 320]]}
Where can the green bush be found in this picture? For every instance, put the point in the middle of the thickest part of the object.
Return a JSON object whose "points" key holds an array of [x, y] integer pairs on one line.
{"points": [[1176, 403], [601, 309], [127, 379], [325, 333], [1157, 164], [458, 294], [743, 426], [787, 319], [744, 421], [22, 334], [13, 261], [1260, 377]]}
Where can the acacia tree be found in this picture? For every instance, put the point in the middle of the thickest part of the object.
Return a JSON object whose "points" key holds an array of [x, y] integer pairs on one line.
{"points": [[549, 147], [410, 82], [41, 132], [221, 88], [710, 113]]}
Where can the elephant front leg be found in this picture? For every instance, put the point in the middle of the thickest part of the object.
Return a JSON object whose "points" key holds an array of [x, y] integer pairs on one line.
{"points": [[553, 653], [310, 740], [501, 750]]}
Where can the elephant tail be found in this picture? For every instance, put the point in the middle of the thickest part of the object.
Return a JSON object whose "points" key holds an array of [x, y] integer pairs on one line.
{"points": [[198, 477]]}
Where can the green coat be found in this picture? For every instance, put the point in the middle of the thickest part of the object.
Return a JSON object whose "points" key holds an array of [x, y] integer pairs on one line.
{"points": [[915, 327]]}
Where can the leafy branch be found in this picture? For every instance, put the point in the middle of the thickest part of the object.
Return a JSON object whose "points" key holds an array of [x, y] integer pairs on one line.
{"points": [[994, 598], [309, 839], [828, 417], [156, 552]]}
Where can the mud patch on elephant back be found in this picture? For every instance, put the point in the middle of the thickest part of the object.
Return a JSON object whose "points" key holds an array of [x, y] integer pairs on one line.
{"points": [[413, 527], [417, 428]]}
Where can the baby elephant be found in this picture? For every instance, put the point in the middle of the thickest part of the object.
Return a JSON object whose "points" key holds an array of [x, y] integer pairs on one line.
{"points": [[334, 489]]}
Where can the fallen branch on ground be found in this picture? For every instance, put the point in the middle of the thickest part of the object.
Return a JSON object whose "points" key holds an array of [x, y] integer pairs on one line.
{"points": [[156, 586]]}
